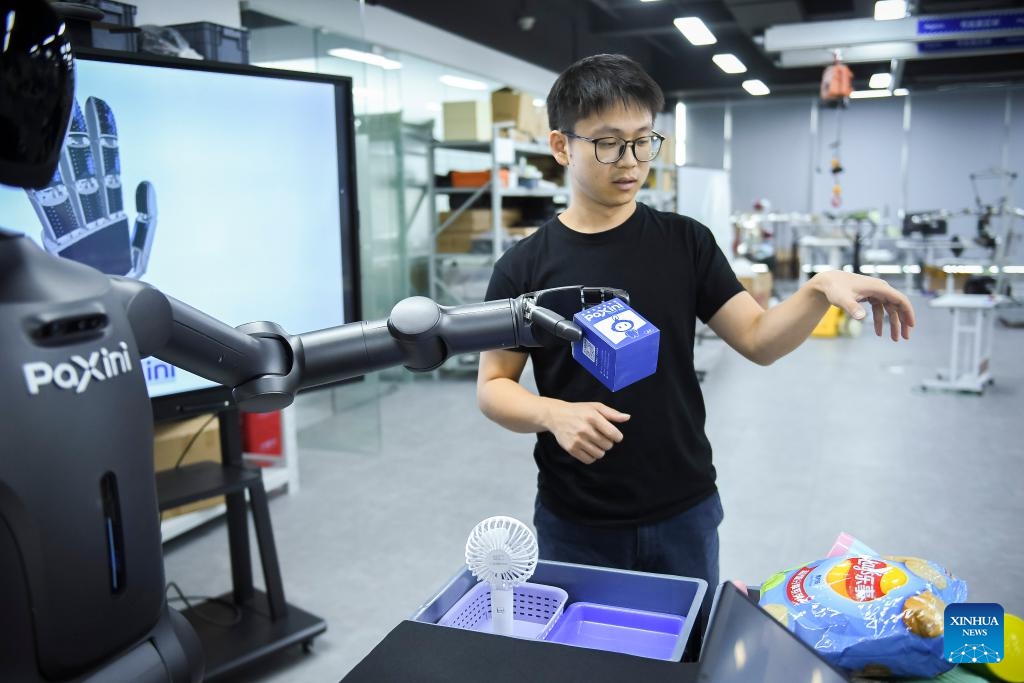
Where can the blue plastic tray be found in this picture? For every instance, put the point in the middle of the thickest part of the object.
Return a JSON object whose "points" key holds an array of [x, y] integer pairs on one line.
{"points": [[619, 629]]}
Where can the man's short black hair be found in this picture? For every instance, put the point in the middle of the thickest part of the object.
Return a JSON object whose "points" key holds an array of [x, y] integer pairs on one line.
{"points": [[599, 82]]}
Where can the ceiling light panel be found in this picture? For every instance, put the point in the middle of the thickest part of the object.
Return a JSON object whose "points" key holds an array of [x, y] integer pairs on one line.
{"points": [[729, 63], [464, 83], [365, 57], [880, 80], [756, 87], [695, 31], [865, 94], [886, 10]]}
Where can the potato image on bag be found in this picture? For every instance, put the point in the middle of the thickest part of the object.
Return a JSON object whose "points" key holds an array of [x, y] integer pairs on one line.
{"points": [[922, 614]]}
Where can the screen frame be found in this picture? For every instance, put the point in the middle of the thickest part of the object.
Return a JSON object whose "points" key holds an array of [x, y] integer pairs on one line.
{"points": [[184, 404], [727, 590]]}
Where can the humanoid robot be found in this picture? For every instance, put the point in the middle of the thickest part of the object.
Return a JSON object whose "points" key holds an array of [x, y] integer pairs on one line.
{"points": [[81, 568]]}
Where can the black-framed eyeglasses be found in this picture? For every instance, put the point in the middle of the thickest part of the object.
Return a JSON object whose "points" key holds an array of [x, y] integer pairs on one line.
{"points": [[609, 150]]}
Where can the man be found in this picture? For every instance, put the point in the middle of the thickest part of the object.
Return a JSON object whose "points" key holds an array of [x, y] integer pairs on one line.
{"points": [[626, 478]]}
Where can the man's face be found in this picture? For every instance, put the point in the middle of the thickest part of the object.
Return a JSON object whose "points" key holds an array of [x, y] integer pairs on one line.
{"points": [[608, 185]]}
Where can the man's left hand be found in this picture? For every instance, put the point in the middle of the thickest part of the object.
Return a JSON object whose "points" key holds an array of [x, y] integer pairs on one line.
{"points": [[848, 291]]}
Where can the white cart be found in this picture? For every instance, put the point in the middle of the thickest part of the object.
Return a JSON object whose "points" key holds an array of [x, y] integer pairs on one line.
{"points": [[969, 362]]}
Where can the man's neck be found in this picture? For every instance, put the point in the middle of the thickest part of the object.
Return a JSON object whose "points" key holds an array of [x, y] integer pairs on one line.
{"points": [[595, 219]]}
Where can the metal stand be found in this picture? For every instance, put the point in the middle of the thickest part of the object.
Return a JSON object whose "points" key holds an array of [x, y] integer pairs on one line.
{"points": [[809, 246], [969, 362], [268, 624]]}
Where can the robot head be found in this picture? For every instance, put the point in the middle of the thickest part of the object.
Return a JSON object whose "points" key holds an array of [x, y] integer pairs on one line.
{"points": [[37, 84]]}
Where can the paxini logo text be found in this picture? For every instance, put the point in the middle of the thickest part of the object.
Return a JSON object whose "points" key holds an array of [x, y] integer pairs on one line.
{"points": [[79, 372], [601, 310]]}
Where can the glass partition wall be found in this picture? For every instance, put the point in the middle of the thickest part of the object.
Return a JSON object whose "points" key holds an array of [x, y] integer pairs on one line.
{"points": [[397, 101]]}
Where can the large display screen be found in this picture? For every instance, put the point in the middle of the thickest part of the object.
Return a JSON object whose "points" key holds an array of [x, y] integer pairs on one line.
{"points": [[229, 188]]}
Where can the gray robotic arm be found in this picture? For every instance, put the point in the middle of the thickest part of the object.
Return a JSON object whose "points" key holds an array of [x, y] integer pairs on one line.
{"points": [[266, 366]]}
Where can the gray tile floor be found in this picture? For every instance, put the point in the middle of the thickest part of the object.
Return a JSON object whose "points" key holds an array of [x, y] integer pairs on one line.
{"points": [[835, 437]]}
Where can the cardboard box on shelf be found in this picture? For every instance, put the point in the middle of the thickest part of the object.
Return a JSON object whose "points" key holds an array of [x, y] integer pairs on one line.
{"points": [[516, 135], [458, 238], [469, 120], [530, 121], [512, 105], [540, 124], [759, 285], [170, 441], [454, 242], [478, 220], [483, 242]]}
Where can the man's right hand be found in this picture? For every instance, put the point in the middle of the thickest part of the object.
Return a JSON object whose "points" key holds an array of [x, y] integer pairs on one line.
{"points": [[585, 430]]}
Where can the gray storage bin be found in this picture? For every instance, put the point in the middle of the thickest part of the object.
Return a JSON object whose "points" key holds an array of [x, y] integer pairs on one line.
{"points": [[215, 42], [120, 14], [610, 587]]}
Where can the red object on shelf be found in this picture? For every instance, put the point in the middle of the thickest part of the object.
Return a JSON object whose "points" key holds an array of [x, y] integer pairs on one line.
{"points": [[477, 178], [261, 433]]}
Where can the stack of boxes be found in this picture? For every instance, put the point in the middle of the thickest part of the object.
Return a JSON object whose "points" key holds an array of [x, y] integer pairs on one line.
{"points": [[471, 232], [530, 122], [474, 120]]}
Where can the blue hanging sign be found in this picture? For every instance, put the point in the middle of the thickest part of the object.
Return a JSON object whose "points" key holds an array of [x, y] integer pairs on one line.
{"points": [[965, 44], [969, 24]]}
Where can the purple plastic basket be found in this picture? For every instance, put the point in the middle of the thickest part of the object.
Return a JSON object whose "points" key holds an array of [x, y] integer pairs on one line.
{"points": [[654, 635], [535, 608]]}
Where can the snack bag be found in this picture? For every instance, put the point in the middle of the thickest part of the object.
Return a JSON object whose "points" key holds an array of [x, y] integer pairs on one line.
{"points": [[868, 614]]}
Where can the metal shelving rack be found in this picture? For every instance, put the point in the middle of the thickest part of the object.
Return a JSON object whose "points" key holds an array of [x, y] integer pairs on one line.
{"points": [[502, 153]]}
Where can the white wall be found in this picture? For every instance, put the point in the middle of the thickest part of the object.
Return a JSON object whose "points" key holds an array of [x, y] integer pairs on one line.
{"points": [[951, 134]]}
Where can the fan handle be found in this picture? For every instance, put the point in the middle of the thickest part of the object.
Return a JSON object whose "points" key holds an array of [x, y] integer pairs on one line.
{"points": [[501, 610]]}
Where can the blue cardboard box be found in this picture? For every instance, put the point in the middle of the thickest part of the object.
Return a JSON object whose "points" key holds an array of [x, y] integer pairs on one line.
{"points": [[619, 346]]}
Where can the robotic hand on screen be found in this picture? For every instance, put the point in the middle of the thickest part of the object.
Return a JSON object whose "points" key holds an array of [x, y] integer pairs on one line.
{"points": [[82, 208]]}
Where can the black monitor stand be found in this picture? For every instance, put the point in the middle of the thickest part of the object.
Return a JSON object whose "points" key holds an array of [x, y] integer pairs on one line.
{"points": [[267, 623]]}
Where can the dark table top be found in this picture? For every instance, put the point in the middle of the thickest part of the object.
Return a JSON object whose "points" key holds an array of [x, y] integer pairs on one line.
{"points": [[423, 653]]}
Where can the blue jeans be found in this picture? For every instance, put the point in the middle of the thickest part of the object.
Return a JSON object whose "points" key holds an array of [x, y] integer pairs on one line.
{"points": [[684, 545]]}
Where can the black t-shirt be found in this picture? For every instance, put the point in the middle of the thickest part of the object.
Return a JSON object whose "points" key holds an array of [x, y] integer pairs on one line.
{"points": [[674, 273]]}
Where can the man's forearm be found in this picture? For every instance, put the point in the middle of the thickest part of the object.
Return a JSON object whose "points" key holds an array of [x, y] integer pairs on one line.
{"points": [[784, 327], [512, 406]]}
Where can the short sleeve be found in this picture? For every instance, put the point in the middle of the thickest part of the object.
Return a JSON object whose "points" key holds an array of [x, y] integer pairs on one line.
{"points": [[500, 286], [716, 280]]}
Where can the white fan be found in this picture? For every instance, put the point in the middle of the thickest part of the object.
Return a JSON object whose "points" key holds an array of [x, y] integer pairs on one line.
{"points": [[503, 552]]}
